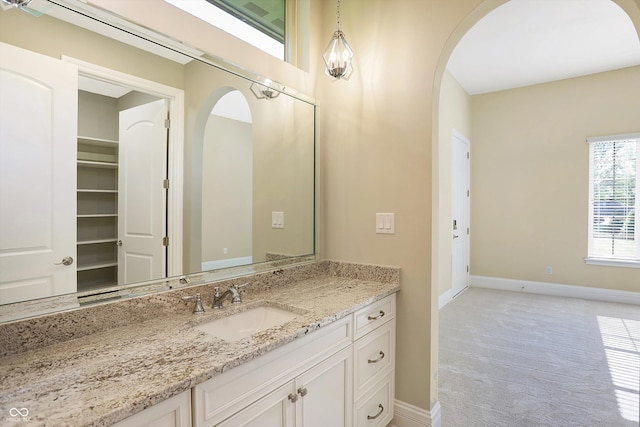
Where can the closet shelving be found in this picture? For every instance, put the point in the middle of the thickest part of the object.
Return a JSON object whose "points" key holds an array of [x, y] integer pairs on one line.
{"points": [[97, 213]]}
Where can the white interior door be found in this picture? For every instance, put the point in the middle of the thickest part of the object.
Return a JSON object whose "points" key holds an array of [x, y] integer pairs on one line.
{"points": [[37, 175], [460, 225], [141, 195]]}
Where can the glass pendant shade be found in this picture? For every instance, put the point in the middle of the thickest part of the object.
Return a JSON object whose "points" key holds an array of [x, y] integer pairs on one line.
{"points": [[17, 3], [337, 56]]}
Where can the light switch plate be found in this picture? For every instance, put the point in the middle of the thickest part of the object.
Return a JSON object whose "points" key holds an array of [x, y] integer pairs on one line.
{"points": [[386, 223], [277, 219]]}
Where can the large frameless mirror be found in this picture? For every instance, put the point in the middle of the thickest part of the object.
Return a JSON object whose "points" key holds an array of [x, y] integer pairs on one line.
{"points": [[129, 167]]}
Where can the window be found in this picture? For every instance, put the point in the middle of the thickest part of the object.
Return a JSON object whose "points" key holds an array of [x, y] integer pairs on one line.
{"points": [[614, 171], [260, 23]]}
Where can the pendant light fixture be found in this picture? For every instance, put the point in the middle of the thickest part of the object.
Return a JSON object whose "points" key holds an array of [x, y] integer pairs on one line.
{"points": [[22, 5], [338, 54], [17, 3]]}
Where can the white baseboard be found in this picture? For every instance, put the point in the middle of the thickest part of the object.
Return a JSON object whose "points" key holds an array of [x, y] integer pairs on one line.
{"points": [[406, 415], [226, 263], [555, 289], [445, 298]]}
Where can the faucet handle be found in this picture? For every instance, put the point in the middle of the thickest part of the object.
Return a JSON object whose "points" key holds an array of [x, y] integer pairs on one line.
{"points": [[237, 298], [198, 309]]}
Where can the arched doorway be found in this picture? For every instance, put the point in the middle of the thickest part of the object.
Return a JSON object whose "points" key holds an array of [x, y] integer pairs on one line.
{"points": [[441, 225]]}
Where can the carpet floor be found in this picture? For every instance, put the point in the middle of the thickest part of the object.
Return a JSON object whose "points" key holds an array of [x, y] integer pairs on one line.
{"points": [[517, 360]]}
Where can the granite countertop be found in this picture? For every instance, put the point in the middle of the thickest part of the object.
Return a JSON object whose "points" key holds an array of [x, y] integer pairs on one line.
{"points": [[104, 377]]}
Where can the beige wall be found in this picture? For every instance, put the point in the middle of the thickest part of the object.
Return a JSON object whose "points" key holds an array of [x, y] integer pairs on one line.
{"points": [[530, 174], [227, 189], [98, 116], [455, 115], [283, 177], [280, 181], [55, 38], [376, 136]]}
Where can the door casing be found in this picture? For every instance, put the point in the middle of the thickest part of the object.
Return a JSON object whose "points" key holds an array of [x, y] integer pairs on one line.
{"points": [[175, 152]]}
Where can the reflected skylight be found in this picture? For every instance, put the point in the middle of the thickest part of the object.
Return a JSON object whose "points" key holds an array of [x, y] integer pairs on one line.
{"points": [[209, 13]]}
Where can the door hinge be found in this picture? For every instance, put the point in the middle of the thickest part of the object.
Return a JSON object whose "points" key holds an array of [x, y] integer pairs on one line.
{"points": [[467, 268], [167, 123], [467, 230], [165, 184], [165, 241], [467, 154], [467, 193]]}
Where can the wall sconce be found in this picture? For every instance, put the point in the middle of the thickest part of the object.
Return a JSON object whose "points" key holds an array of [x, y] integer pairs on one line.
{"points": [[264, 91], [338, 54]]}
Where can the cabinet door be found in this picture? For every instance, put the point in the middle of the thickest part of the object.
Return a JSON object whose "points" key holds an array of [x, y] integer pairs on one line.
{"points": [[276, 409], [325, 393]]}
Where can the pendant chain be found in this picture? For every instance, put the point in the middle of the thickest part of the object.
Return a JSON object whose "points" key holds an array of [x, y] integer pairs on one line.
{"points": [[338, 14]]}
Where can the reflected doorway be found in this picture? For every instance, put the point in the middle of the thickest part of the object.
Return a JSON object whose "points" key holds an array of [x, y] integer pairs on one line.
{"points": [[227, 184], [122, 203]]}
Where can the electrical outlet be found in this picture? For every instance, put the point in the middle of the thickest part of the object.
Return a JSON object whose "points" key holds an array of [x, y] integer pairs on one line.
{"points": [[548, 270]]}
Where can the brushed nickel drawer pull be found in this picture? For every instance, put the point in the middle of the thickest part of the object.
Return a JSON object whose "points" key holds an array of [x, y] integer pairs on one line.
{"points": [[302, 391], [378, 359], [369, 417], [376, 317], [293, 397]]}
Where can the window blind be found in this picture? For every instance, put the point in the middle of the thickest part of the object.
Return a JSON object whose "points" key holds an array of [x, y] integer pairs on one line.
{"points": [[614, 175]]}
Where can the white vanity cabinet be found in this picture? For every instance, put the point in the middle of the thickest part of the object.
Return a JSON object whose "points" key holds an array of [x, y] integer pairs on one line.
{"points": [[284, 386], [317, 398], [374, 364], [173, 412], [341, 375]]}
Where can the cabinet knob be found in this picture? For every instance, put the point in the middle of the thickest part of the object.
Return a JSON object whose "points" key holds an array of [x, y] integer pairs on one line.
{"points": [[65, 261], [302, 391], [293, 397], [119, 243]]}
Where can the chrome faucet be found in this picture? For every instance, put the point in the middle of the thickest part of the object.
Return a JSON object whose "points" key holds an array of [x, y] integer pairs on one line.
{"points": [[233, 290]]}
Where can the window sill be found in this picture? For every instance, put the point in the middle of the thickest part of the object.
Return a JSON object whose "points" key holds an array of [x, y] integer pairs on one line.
{"points": [[612, 262]]}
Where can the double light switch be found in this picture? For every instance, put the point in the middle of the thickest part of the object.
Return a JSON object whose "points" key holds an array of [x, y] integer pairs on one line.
{"points": [[277, 219], [385, 223]]}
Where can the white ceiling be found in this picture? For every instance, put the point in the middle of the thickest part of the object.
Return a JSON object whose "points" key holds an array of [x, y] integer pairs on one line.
{"points": [[234, 106], [102, 88], [525, 42]]}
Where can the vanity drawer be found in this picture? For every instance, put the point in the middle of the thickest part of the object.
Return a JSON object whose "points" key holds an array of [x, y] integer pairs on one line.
{"points": [[374, 356], [375, 409], [374, 315]]}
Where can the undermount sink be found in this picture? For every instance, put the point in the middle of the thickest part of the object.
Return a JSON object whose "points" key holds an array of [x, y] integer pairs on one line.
{"points": [[246, 323]]}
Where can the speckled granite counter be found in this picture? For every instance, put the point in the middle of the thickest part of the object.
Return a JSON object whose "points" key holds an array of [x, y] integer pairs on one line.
{"points": [[116, 370]]}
